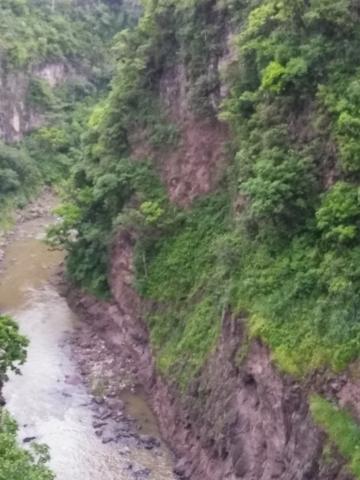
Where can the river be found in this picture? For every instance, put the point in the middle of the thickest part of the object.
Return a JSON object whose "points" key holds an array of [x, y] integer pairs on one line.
{"points": [[45, 404]]}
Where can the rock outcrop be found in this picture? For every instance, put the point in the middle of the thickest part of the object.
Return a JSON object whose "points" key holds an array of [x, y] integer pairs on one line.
{"points": [[17, 115]]}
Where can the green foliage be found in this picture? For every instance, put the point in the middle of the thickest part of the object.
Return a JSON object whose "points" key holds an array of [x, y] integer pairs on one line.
{"points": [[100, 195], [19, 175], [74, 36], [276, 77], [40, 94], [279, 241], [17, 463], [302, 301], [182, 341], [282, 183], [294, 93], [341, 428], [339, 215], [33, 31], [175, 269], [342, 98], [12, 345], [57, 146]]}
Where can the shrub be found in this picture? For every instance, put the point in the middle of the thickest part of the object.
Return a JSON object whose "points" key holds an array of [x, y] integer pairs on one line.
{"points": [[17, 463], [338, 217], [341, 428]]}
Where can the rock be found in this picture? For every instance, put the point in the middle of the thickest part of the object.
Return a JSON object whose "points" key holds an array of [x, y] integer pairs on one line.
{"points": [[142, 473], [149, 442], [98, 424], [124, 427], [241, 467], [111, 394], [107, 438], [180, 467], [29, 439], [105, 415], [124, 451]]}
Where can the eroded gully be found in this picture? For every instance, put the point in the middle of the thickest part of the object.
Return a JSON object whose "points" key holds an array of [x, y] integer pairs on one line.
{"points": [[50, 400]]}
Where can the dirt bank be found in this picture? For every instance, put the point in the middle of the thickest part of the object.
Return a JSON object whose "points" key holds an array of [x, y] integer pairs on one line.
{"points": [[240, 419]]}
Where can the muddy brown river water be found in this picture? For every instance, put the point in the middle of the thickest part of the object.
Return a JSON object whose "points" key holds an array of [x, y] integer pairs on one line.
{"points": [[44, 404]]}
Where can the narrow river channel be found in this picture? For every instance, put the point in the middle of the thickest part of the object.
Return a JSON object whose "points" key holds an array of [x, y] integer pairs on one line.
{"points": [[46, 406]]}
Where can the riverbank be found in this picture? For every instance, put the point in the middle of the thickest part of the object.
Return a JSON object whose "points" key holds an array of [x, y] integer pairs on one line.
{"points": [[70, 395]]}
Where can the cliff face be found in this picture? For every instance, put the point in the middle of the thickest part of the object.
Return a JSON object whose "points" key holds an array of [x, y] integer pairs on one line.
{"points": [[17, 115], [241, 417], [44, 44], [235, 288]]}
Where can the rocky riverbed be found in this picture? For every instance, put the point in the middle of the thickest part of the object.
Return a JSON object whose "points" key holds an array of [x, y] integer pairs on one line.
{"points": [[74, 394], [112, 386]]}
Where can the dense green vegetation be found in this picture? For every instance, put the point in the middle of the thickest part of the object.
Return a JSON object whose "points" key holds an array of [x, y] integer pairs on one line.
{"points": [[341, 430], [19, 175], [19, 464], [289, 257], [13, 346], [35, 33], [16, 463], [277, 242]]}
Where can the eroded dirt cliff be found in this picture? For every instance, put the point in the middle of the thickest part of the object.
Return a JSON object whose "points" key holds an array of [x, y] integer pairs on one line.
{"points": [[241, 417]]}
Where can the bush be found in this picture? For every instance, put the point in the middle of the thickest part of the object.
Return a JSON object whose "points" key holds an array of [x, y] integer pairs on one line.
{"points": [[341, 428], [19, 175], [12, 345], [19, 464], [281, 184], [338, 218]]}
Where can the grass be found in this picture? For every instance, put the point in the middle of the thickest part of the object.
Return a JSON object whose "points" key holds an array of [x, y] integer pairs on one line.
{"points": [[341, 429], [185, 323]]}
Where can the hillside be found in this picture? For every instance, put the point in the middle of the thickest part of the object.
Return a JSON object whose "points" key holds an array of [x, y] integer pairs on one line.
{"points": [[220, 188], [54, 62], [212, 220]]}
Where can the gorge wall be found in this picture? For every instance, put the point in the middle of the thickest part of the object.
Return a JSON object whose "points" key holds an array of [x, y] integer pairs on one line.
{"points": [[217, 206], [17, 115], [241, 417]]}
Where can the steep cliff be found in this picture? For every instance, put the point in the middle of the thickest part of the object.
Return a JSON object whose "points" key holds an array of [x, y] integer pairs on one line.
{"points": [[17, 116], [54, 61], [217, 206]]}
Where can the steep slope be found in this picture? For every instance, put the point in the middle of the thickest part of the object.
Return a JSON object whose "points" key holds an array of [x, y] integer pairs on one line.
{"points": [[217, 204], [53, 59]]}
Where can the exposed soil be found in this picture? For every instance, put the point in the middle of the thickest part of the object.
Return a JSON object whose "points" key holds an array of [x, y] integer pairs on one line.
{"points": [[196, 163], [240, 419]]}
